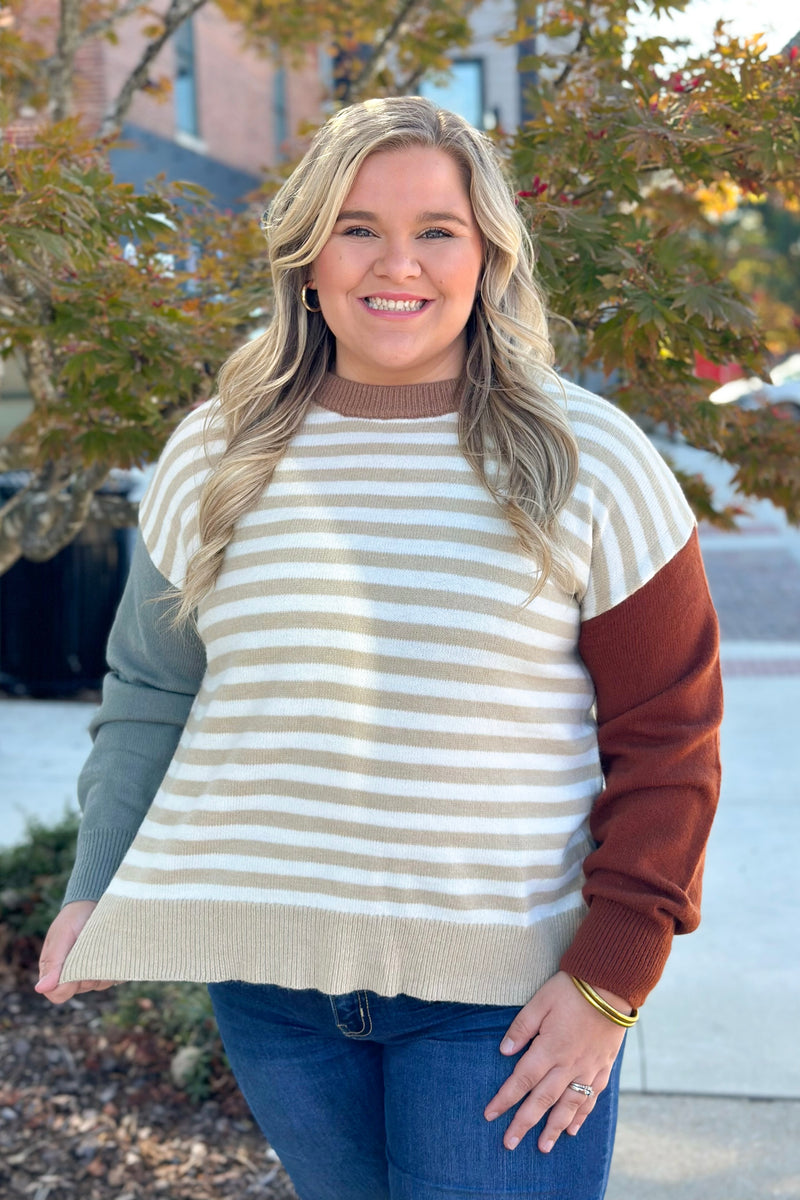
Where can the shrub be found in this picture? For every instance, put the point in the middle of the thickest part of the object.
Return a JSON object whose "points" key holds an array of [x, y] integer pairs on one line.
{"points": [[181, 1015], [34, 877]]}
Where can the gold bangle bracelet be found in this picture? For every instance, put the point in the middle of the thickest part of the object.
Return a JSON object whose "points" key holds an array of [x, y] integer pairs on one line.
{"points": [[626, 1020]]}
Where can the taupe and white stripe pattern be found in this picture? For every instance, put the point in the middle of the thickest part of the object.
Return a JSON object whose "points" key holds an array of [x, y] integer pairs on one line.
{"points": [[386, 730]]}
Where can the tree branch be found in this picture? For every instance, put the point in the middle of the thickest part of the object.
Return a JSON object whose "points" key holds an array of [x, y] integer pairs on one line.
{"points": [[378, 57], [10, 305], [40, 371], [46, 514], [40, 520], [178, 12], [113, 510], [401, 17], [98, 28], [409, 86], [15, 456], [573, 55], [9, 550], [62, 516]]}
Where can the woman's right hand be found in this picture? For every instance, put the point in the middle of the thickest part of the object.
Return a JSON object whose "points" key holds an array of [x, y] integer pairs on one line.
{"points": [[61, 937]]}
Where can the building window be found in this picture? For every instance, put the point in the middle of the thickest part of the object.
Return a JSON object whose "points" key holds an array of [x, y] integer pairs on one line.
{"points": [[462, 91], [185, 81]]}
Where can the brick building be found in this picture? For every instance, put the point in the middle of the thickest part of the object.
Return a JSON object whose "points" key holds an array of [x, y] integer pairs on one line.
{"points": [[213, 112], [230, 113], [217, 113]]}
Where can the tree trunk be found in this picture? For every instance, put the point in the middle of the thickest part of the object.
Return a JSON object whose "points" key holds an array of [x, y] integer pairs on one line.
{"points": [[39, 521], [178, 12], [62, 66]]}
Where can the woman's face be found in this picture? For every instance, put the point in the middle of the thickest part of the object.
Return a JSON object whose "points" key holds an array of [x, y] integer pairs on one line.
{"points": [[397, 278]]}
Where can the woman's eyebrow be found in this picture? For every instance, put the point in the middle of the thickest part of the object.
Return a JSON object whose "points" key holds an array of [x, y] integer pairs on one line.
{"points": [[362, 214], [443, 216], [355, 214]]}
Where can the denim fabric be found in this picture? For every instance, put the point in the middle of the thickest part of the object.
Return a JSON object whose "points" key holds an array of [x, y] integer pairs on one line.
{"points": [[368, 1097]]}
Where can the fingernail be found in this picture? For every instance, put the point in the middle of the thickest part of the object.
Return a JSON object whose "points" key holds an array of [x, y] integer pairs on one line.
{"points": [[507, 1046], [512, 1143], [491, 1114], [547, 1147]]}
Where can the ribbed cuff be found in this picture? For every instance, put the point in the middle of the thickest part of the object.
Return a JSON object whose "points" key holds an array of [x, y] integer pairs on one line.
{"points": [[100, 851], [619, 949]]}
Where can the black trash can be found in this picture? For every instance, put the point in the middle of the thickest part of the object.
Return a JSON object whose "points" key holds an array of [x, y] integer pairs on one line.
{"points": [[55, 616]]}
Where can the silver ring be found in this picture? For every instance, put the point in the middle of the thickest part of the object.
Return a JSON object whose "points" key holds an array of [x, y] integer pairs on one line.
{"points": [[583, 1088]]}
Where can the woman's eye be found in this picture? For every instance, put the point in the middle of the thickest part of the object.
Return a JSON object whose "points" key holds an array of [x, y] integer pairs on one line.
{"points": [[436, 233], [359, 231]]}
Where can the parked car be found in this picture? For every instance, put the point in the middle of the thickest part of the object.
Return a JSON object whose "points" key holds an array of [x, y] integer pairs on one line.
{"points": [[781, 392]]}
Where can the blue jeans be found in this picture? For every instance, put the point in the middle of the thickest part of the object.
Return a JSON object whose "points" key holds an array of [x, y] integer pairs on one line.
{"points": [[368, 1097]]}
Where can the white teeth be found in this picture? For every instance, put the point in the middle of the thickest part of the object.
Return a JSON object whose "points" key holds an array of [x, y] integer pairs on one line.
{"points": [[394, 305]]}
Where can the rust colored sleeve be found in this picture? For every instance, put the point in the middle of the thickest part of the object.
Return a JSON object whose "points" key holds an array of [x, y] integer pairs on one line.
{"points": [[654, 660]]}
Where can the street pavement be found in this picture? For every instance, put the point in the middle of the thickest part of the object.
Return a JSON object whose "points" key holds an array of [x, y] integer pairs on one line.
{"points": [[710, 1108]]}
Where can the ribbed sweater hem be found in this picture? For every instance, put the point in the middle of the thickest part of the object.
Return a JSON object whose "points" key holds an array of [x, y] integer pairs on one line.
{"points": [[294, 947]]}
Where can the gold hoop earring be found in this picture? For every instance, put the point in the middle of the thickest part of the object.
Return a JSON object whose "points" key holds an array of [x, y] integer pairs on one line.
{"points": [[304, 298]]}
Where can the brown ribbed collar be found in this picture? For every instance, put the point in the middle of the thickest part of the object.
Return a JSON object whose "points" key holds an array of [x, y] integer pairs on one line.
{"points": [[389, 401]]}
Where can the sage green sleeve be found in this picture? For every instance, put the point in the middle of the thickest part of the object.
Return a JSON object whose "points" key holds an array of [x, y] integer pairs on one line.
{"points": [[155, 673]]}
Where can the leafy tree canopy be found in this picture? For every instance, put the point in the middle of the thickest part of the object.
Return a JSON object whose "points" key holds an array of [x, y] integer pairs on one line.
{"points": [[121, 307], [624, 165]]}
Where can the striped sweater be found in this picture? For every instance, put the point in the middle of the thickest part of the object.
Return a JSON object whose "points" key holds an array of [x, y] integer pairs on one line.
{"points": [[394, 773]]}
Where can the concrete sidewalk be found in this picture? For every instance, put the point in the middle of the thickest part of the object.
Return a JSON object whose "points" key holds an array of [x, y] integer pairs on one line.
{"points": [[711, 1081], [705, 1148], [710, 1108]]}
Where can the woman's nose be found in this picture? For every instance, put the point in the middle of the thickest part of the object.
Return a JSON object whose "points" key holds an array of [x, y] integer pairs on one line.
{"points": [[397, 261]]}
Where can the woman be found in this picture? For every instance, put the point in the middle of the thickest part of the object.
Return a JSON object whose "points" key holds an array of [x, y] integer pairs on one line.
{"points": [[439, 752]]}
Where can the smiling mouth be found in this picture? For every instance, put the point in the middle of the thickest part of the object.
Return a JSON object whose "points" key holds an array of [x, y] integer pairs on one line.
{"points": [[380, 305]]}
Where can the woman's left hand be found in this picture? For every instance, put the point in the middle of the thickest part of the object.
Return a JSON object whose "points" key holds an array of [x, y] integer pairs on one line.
{"points": [[570, 1041]]}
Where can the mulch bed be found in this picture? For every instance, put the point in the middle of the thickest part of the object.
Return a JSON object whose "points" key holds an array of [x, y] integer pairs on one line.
{"points": [[89, 1111]]}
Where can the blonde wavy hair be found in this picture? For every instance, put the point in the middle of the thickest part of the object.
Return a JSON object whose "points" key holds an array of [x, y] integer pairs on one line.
{"points": [[512, 431]]}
